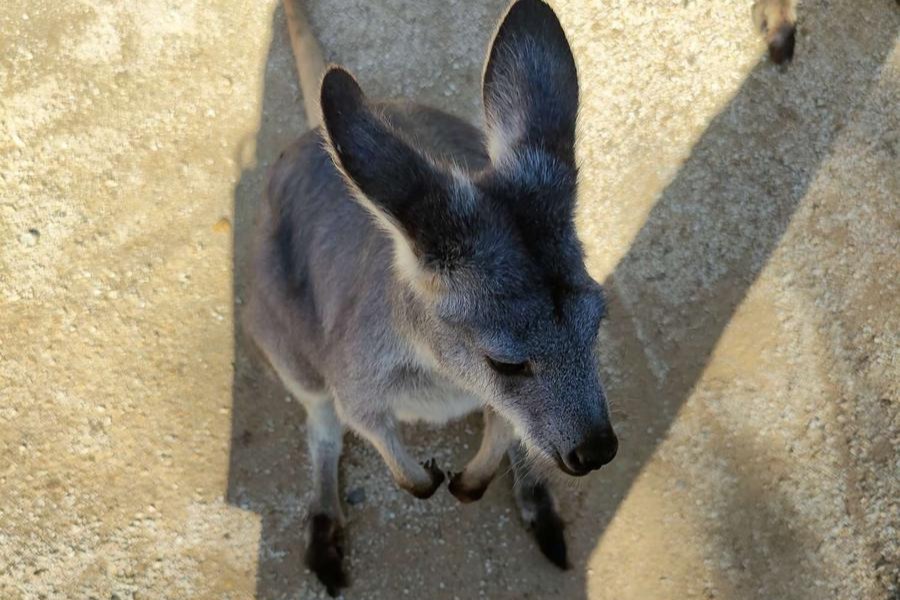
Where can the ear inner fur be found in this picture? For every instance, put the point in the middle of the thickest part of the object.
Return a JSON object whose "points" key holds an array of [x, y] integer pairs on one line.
{"points": [[530, 88]]}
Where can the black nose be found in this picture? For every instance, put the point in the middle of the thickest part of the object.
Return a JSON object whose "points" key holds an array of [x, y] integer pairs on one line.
{"points": [[597, 449]]}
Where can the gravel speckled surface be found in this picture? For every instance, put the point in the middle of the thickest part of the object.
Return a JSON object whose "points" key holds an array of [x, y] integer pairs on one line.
{"points": [[743, 217]]}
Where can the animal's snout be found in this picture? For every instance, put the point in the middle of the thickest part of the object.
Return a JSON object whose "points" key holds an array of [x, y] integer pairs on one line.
{"points": [[594, 451]]}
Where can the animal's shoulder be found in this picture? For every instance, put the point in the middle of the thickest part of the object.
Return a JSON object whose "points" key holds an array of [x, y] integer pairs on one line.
{"points": [[439, 134]]}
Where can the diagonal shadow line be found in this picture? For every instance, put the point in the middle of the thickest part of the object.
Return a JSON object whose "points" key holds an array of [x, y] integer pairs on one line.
{"points": [[703, 245], [713, 229]]}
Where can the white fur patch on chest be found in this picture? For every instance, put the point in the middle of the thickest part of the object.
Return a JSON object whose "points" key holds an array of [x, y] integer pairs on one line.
{"points": [[433, 402]]}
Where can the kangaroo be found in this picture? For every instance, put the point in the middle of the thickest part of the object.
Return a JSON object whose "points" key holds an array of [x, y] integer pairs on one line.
{"points": [[409, 266], [776, 20]]}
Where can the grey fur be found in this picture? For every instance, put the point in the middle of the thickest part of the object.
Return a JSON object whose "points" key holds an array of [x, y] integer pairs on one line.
{"points": [[397, 260]]}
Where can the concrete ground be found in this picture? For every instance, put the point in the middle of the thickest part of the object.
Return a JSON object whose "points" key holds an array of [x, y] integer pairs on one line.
{"points": [[744, 218]]}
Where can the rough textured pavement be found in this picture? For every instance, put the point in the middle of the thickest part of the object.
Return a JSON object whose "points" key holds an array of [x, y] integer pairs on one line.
{"points": [[744, 219]]}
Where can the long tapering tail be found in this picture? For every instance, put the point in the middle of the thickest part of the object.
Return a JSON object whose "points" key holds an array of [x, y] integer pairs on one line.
{"points": [[307, 57]]}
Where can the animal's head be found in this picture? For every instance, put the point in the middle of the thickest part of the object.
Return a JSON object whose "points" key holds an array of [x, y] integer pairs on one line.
{"points": [[510, 310]]}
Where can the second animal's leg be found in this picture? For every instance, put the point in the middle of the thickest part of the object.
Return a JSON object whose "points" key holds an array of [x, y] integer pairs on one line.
{"points": [[471, 483], [538, 509], [776, 20]]}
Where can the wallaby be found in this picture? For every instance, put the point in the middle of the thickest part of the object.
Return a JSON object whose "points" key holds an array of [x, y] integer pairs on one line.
{"points": [[776, 20], [410, 267]]}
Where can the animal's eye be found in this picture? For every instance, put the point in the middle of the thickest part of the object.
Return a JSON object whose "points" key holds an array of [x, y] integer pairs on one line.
{"points": [[521, 369]]}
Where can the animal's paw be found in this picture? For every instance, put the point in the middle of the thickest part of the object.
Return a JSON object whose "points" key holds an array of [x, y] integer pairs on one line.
{"points": [[781, 44], [437, 478], [324, 553], [464, 493]]}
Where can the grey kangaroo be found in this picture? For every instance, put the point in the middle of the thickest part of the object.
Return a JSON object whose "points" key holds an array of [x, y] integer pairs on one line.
{"points": [[412, 267]]}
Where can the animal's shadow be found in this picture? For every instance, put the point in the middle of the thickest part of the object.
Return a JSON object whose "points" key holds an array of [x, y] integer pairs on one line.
{"points": [[715, 224]]}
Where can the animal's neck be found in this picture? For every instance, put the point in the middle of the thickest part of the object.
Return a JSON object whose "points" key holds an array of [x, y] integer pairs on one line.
{"points": [[414, 323]]}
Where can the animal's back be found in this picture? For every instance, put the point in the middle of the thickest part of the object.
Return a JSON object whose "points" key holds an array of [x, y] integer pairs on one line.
{"points": [[322, 267]]}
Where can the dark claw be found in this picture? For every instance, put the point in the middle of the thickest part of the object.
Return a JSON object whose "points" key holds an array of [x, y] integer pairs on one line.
{"points": [[437, 478], [462, 493], [324, 553]]}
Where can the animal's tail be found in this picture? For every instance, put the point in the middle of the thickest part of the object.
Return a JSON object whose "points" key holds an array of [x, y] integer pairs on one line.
{"points": [[307, 57]]}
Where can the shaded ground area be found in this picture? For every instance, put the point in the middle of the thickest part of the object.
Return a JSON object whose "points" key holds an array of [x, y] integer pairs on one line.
{"points": [[743, 218]]}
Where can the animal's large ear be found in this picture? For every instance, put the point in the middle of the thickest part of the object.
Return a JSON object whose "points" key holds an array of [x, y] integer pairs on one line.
{"points": [[531, 84], [418, 204], [388, 172]]}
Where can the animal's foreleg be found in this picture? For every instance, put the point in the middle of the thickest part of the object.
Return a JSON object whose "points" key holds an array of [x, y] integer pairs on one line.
{"points": [[471, 483], [419, 479]]}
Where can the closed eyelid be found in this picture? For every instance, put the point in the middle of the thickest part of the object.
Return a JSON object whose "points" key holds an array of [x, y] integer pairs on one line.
{"points": [[509, 359], [519, 369]]}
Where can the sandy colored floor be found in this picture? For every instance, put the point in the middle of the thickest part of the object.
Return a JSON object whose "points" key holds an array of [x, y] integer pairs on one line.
{"points": [[745, 220]]}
